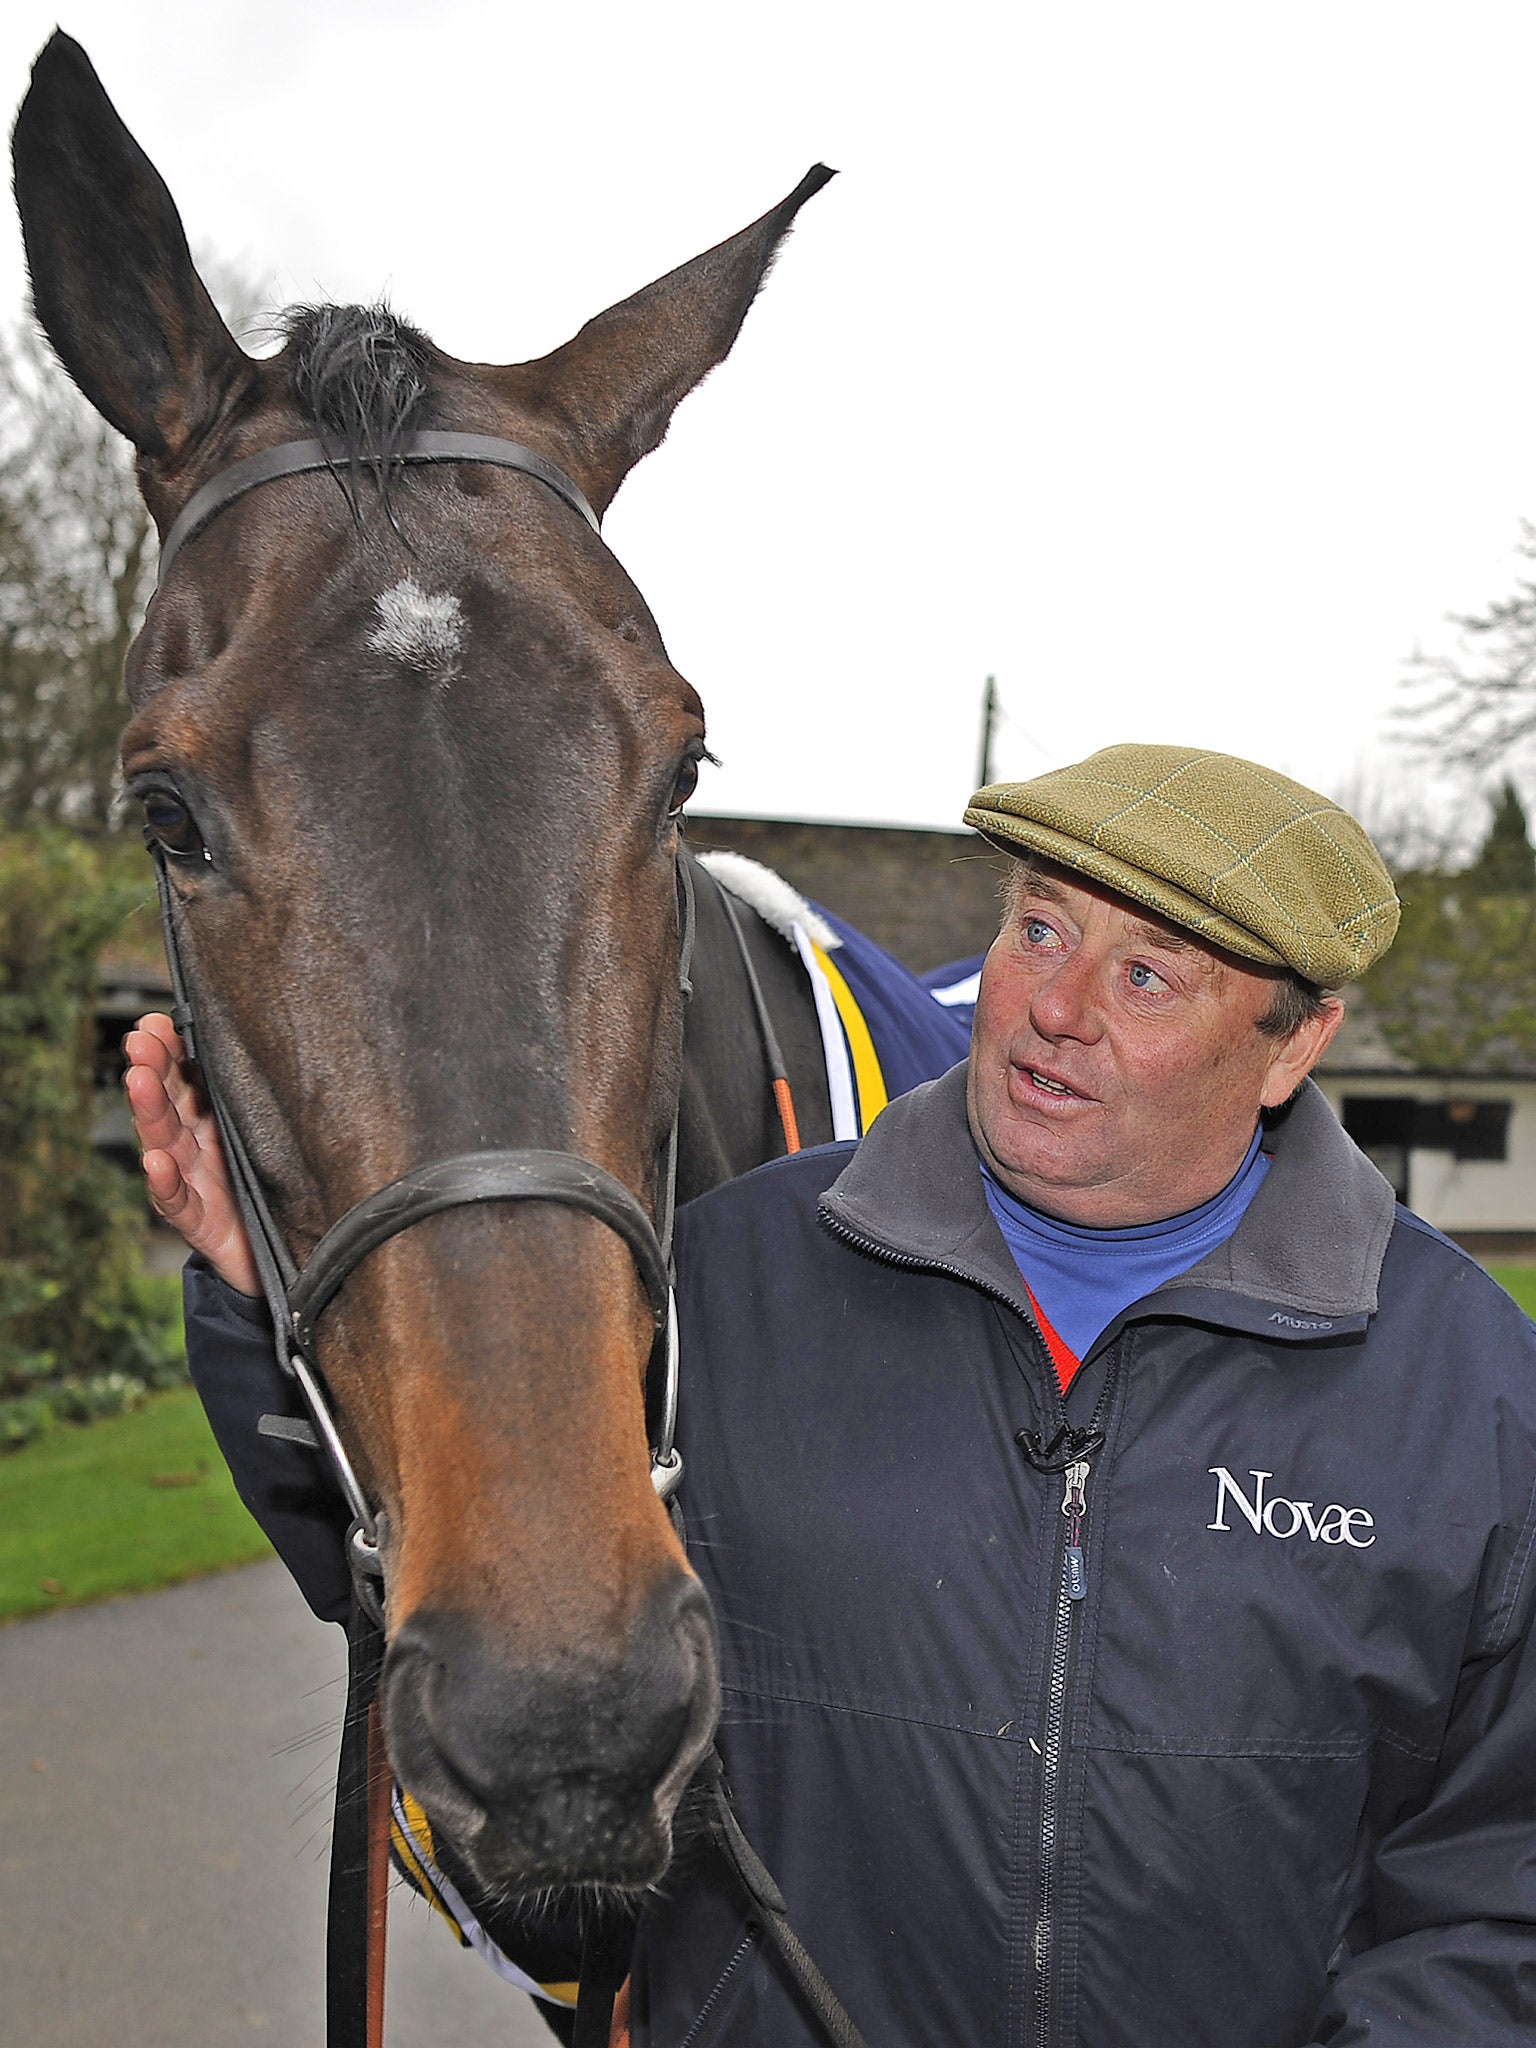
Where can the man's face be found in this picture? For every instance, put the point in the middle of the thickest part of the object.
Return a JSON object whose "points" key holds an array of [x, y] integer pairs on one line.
{"points": [[1117, 1069]]}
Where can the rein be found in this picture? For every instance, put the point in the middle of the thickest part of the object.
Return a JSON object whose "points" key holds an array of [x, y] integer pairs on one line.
{"points": [[298, 1296]]}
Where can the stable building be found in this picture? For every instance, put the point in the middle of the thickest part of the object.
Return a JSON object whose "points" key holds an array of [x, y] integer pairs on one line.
{"points": [[1458, 1145], [926, 894]]}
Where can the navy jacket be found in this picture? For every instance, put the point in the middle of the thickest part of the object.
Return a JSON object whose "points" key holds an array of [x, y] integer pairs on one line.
{"points": [[1270, 1782]]}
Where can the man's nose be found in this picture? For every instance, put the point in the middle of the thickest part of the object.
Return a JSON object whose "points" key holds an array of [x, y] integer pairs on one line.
{"points": [[1070, 1004]]}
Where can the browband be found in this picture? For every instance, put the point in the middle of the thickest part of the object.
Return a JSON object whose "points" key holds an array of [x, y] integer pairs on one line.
{"points": [[293, 458]]}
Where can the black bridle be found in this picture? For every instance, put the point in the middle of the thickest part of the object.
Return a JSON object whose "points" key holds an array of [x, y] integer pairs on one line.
{"points": [[298, 1296]]}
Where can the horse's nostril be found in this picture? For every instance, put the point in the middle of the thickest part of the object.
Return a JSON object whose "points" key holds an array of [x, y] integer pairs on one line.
{"points": [[694, 1624], [693, 1628], [693, 1631]]}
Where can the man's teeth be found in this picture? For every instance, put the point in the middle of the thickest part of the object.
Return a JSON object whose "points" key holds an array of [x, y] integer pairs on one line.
{"points": [[1056, 1087]]}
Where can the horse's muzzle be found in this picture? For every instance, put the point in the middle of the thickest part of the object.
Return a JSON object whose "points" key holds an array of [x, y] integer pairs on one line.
{"points": [[558, 1770]]}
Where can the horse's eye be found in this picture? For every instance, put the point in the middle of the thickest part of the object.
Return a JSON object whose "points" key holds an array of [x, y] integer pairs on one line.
{"points": [[173, 824], [687, 782]]}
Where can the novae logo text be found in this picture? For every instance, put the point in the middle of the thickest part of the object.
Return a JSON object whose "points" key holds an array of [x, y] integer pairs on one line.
{"points": [[1284, 1518]]}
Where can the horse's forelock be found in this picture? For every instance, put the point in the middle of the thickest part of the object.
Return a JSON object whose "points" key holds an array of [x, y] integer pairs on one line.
{"points": [[360, 373]]}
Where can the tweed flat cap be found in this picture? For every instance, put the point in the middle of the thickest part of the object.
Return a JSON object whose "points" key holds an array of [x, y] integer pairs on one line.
{"points": [[1248, 859]]}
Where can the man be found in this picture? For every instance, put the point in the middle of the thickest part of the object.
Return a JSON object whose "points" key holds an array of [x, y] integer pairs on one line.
{"points": [[1118, 1517]]}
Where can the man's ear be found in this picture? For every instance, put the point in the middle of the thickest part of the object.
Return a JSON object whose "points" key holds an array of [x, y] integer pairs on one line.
{"points": [[611, 390], [1296, 1056], [112, 278]]}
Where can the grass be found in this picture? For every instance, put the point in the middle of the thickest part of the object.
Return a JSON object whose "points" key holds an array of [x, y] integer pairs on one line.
{"points": [[1520, 1281], [125, 1504]]}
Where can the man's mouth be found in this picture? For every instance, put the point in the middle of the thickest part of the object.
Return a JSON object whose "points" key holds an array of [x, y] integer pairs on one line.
{"points": [[1050, 1084]]}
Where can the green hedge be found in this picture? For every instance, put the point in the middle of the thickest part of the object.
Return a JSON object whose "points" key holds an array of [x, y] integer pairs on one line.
{"points": [[83, 1330]]}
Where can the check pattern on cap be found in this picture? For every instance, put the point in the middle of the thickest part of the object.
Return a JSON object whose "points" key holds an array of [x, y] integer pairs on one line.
{"points": [[1244, 857]]}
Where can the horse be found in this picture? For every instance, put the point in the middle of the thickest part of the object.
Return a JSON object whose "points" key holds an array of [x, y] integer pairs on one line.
{"points": [[414, 760]]}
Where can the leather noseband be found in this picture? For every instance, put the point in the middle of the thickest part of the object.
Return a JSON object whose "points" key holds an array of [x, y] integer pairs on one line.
{"points": [[518, 1176]]}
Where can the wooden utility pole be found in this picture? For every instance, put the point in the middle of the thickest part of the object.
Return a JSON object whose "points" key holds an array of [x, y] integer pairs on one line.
{"points": [[988, 728]]}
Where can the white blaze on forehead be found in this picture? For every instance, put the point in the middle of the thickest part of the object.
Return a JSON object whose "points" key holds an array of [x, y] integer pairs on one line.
{"points": [[424, 632]]}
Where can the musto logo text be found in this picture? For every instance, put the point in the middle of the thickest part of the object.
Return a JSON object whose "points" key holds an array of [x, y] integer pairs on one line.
{"points": [[1277, 1516]]}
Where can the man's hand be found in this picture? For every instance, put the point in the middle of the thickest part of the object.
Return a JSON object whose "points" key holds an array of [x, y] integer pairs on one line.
{"points": [[183, 1159]]}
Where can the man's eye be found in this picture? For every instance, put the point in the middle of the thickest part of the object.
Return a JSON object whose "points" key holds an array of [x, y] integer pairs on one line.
{"points": [[1038, 932], [173, 825], [1143, 976]]}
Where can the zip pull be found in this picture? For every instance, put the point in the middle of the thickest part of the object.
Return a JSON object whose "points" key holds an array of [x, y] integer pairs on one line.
{"points": [[1074, 1506], [1077, 1481]]}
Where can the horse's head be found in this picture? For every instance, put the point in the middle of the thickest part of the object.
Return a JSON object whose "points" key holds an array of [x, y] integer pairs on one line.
{"points": [[416, 757]]}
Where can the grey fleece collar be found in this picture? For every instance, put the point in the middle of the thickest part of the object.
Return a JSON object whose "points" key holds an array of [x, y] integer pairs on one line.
{"points": [[1304, 1263]]}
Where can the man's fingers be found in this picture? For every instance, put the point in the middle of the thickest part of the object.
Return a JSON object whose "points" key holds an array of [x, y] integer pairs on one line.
{"points": [[155, 1024], [148, 1049], [156, 1119], [168, 1189], [206, 1221], [183, 1160], [159, 1051], [168, 1109], [146, 1088]]}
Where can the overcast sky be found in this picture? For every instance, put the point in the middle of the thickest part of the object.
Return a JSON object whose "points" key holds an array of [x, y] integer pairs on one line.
{"points": [[1174, 363]]}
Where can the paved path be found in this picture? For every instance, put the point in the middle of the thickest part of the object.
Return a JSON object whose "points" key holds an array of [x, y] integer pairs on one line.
{"points": [[166, 1765]]}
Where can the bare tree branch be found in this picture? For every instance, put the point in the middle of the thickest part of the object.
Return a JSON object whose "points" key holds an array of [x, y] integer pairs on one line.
{"points": [[1477, 707], [77, 563]]}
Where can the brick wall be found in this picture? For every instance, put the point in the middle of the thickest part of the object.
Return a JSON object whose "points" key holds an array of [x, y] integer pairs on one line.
{"points": [[927, 897]]}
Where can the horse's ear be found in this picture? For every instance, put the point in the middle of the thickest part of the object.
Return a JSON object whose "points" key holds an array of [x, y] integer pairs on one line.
{"points": [[112, 278], [614, 387]]}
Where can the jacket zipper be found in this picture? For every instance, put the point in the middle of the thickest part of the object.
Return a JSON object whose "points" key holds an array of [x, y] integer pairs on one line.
{"points": [[1072, 1589], [877, 1250], [1071, 1592], [742, 1950]]}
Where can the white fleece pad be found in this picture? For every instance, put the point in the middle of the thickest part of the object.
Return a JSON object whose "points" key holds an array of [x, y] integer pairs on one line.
{"points": [[773, 899]]}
